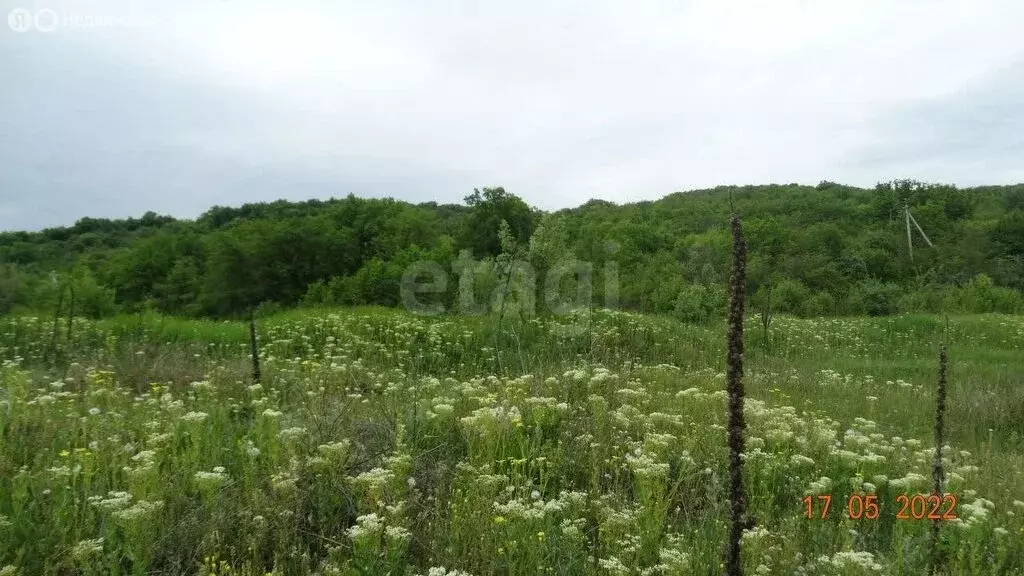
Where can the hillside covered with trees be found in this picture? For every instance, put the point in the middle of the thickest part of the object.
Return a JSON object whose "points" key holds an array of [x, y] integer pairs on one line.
{"points": [[814, 250]]}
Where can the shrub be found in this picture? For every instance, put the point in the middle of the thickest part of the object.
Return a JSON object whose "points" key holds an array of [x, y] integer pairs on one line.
{"points": [[981, 295], [931, 298], [819, 304], [789, 296], [12, 288], [699, 303], [873, 298]]}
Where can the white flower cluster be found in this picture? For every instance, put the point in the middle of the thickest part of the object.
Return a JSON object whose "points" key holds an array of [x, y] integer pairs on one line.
{"points": [[139, 512], [375, 480], [86, 549], [195, 417], [491, 418], [114, 501], [292, 434], [208, 481], [852, 560], [284, 482], [646, 467], [536, 508], [820, 486], [909, 482], [975, 512], [367, 525], [335, 450], [442, 571]]}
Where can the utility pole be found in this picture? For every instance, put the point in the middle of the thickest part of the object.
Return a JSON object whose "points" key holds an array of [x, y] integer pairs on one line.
{"points": [[910, 218], [910, 244]]}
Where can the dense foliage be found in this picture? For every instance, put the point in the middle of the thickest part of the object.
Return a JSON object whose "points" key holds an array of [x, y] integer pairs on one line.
{"points": [[824, 250]]}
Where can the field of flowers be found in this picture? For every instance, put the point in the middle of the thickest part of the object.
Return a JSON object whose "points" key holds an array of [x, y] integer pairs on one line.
{"points": [[378, 442]]}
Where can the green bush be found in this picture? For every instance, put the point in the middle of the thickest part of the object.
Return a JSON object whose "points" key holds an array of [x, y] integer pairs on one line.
{"points": [[931, 298], [12, 288], [819, 304], [874, 298], [981, 295], [699, 303], [91, 298], [789, 296]]}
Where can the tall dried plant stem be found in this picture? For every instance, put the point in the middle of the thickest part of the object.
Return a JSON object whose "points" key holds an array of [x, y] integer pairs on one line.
{"points": [[253, 350], [71, 324], [938, 474], [55, 333], [734, 386]]}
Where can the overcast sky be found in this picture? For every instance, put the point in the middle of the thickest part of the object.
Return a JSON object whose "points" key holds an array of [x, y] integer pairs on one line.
{"points": [[125, 107]]}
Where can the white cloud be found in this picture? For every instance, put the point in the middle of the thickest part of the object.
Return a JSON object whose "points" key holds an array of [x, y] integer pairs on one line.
{"points": [[559, 102]]}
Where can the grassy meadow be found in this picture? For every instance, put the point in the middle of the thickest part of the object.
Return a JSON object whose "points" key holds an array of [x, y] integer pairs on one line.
{"points": [[379, 442]]}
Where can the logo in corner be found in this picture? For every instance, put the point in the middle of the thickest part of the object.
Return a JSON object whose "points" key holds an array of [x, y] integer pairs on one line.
{"points": [[20, 20], [46, 20]]}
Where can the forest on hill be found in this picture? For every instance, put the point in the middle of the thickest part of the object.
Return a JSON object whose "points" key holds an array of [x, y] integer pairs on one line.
{"points": [[818, 250]]}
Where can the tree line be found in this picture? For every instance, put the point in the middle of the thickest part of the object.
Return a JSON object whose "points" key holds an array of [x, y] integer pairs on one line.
{"points": [[828, 249]]}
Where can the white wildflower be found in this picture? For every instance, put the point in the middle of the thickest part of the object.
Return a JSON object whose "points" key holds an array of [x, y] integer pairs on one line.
{"points": [[195, 417], [139, 512], [86, 549], [207, 481]]}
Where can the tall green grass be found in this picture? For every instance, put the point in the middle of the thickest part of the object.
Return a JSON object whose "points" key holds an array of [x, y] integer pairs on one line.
{"points": [[379, 442]]}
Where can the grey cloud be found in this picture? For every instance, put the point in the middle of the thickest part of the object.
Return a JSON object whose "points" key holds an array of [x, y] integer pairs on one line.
{"points": [[232, 102], [972, 136]]}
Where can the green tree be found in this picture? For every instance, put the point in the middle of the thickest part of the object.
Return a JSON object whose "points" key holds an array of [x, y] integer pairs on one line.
{"points": [[12, 288], [487, 209], [178, 292]]}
